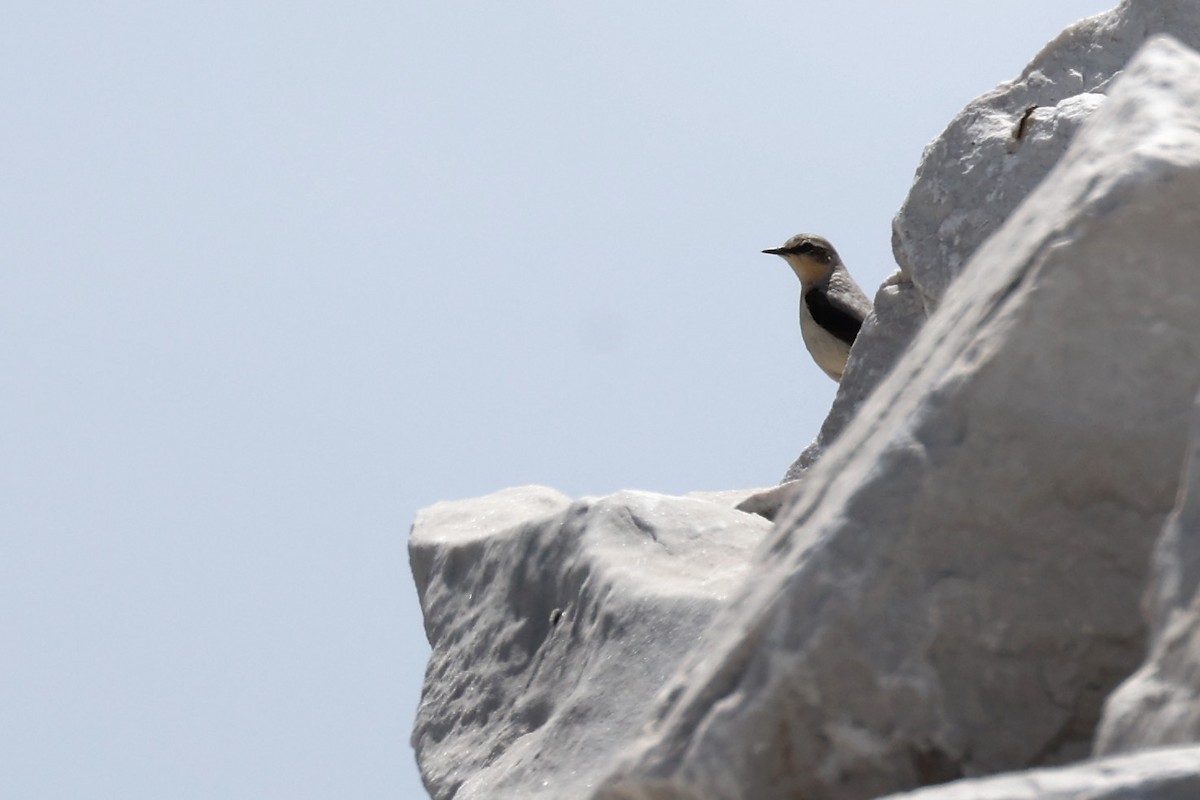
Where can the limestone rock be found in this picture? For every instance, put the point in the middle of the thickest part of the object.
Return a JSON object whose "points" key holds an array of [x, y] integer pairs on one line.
{"points": [[976, 172], [553, 624], [955, 589], [1160, 704], [1001, 145], [1155, 775]]}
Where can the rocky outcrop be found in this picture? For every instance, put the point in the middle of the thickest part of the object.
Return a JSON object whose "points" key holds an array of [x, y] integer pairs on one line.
{"points": [[554, 624], [979, 169], [952, 590], [973, 548]]}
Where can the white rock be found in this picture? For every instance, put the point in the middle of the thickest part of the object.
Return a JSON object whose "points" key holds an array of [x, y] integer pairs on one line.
{"points": [[972, 176], [553, 624], [955, 589], [1157, 775], [978, 170], [1160, 703]]}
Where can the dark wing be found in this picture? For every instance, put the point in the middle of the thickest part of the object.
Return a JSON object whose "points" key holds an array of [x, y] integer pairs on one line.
{"points": [[836, 317]]}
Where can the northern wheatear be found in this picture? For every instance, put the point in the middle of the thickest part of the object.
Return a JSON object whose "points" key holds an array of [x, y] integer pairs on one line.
{"points": [[832, 307]]}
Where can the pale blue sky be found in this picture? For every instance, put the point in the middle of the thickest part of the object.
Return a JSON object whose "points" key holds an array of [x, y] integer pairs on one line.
{"points": [[276, 275]]}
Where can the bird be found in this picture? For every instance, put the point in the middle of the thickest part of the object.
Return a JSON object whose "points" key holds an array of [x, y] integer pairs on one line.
{"points": [[832, 306]]}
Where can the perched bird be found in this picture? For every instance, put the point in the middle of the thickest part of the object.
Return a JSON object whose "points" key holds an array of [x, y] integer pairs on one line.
{"points": [[832, 307]]}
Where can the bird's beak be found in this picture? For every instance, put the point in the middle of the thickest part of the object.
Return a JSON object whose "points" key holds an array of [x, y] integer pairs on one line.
{"points": [[774, 251]]}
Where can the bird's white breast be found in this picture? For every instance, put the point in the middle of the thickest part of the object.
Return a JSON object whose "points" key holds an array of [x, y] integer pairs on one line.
{"points": [[827, 350]]}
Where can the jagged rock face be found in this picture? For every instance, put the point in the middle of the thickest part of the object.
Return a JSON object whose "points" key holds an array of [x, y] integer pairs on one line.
{"points": [[1160, 704], [973, 175], [986, 161], [1159, 775], [956, 588], [953, 588], [553, 624]]}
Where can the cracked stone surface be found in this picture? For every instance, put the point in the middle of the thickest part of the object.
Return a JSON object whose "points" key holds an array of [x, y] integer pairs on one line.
{"points": [[955, 589], [979, 169], [554, 623], [952, 588]]}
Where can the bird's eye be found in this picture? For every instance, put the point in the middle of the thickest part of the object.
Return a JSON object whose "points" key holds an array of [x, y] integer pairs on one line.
{"points": [[806, 248]]}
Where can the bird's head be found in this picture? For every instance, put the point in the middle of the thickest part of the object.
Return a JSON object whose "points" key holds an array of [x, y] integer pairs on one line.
{"points": [[811, 257]]}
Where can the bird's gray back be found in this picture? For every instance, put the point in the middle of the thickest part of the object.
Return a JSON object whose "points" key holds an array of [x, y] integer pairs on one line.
{"points": [[844, 292]]}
